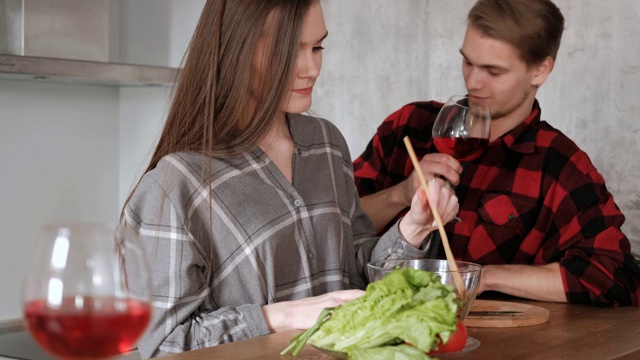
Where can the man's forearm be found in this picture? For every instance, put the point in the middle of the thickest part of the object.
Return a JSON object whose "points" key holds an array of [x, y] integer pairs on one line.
{"points": [[536, 282], [383, 206]]}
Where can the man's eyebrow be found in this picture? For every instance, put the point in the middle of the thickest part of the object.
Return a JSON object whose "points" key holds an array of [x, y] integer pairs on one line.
{"points": [[490, 67], [321, 39]]}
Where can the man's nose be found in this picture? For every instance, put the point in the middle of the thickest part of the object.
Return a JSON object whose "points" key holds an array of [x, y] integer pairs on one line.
{"points": [[473, 79]]}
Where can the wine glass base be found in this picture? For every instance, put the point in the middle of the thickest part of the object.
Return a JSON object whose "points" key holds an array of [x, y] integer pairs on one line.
{"points": [[472, 344]]}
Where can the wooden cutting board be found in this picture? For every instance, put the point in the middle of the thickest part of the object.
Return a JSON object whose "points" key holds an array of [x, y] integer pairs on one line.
{"points": [[526, 315]]}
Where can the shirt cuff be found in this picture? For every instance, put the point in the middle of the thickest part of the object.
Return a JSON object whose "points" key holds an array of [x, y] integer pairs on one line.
{"points": [[254, 318], [400, 248]]}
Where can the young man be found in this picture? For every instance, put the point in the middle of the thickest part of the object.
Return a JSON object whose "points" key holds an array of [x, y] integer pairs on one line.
{"points": [[535, 211]]}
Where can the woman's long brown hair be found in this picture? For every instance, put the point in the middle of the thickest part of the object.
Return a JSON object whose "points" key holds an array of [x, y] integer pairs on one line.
{"points": [[210, 110]]}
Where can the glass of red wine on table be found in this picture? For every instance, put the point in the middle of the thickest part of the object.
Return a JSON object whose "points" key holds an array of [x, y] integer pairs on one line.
{"points": [[87, 294]]}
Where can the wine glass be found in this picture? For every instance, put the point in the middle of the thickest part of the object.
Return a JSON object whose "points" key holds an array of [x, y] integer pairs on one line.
{"points": [[87, 294], [462, 128]]}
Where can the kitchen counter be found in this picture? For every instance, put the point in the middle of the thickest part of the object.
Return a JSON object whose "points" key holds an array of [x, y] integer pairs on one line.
{"points": [[17, 343], [573, 332]]}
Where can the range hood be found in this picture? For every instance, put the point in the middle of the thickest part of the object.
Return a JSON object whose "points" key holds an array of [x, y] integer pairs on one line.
{"points": [[68, 41], [84, 72]]}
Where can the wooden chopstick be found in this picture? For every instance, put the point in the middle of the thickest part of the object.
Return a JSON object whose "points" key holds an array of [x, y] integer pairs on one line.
{"points": [[445, 240]]}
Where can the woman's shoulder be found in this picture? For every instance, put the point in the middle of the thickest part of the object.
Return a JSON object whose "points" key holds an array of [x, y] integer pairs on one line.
{"points": [[172, 182], [179, 166], [309, 129], [175, 172]]}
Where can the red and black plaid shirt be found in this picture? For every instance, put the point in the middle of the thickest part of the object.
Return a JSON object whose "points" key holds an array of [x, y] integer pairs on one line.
{"points": [[533, 197]]}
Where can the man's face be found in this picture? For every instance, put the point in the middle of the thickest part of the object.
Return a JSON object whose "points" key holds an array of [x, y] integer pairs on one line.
{"points": [[495, 74]]}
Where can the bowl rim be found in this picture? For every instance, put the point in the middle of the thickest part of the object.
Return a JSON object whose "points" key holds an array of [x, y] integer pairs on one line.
{"points": [[470, 267]]}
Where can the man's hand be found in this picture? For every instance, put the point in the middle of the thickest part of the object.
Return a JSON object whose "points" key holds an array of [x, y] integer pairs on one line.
{"points": [[433, 166]]}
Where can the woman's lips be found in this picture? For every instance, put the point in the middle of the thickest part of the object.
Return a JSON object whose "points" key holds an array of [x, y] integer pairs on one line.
{"points": [[305, 91]]}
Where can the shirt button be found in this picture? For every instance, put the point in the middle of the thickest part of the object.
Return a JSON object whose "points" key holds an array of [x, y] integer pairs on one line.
{"points": [[398, 247], [310, 255], [297, 202]]}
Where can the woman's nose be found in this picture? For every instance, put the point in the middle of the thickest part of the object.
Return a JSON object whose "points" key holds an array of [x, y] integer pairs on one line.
{"points": [[309, 65]]}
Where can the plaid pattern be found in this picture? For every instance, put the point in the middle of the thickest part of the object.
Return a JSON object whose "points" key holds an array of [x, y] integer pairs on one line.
{"points": [[533, 197], [260, 240]]}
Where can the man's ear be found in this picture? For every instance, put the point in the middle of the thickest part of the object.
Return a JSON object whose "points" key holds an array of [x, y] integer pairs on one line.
{"points": [[541, 71]]}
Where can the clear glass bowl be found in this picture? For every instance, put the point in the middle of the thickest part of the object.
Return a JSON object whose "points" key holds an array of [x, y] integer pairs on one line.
{"points": [[470, 273]]}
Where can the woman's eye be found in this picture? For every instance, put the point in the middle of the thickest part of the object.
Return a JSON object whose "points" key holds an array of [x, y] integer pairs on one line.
{"points": [[317, 48]]}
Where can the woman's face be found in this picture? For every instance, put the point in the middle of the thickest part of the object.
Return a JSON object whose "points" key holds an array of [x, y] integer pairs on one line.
{"points": [[307, 66], [308, 62]]}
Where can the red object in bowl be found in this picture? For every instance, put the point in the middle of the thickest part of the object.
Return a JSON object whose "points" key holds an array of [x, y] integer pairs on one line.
{"points": [[457, 341]]}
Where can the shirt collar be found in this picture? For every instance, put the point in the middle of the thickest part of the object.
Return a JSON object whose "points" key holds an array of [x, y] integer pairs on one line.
{"points": [[522, 138]]}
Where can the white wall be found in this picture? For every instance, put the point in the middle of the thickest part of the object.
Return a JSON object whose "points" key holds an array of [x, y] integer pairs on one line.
{"points": [[154, 32], [72, 152], [593, 95], [59, 163], [157, 32]]}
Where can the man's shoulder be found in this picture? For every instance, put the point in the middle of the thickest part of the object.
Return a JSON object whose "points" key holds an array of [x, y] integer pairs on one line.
{"points": [[413, 119], [551, 137], [419, 110], [426, 105], [562, 154], [414, 116]]}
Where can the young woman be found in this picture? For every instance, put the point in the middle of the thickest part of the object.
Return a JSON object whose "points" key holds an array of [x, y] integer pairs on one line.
{"points": [[248, 210]]}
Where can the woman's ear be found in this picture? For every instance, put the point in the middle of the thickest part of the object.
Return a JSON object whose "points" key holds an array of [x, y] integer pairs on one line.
{"points": [[541, 71]]}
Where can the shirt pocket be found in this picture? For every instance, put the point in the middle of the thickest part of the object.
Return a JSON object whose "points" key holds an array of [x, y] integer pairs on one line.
{"points": [[513, 213]]}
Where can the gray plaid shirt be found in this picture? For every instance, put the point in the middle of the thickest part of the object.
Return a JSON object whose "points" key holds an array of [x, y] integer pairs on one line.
{"points": [[223, 245]]}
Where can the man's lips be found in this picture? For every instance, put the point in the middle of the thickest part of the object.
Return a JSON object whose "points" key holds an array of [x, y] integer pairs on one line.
{"points": [[305, 91], [477, 98]]}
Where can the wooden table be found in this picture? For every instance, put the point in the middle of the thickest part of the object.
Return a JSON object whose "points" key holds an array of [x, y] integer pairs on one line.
{"points": [[573, 332]]}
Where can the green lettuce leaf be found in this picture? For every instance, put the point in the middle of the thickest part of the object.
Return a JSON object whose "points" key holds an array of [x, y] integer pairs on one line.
{"points": [[407, 305]]}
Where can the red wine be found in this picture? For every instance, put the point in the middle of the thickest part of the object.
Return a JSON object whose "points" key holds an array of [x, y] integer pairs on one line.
{"points": [[463, 149], [99, 327]]}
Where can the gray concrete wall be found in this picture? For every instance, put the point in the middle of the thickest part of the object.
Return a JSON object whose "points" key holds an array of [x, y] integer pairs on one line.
{"points": [[382, 54]]}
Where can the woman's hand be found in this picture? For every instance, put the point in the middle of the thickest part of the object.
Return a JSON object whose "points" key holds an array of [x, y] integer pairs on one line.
{"points": [[419, 221], [302, 314]]}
